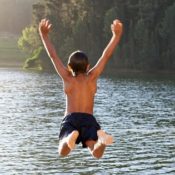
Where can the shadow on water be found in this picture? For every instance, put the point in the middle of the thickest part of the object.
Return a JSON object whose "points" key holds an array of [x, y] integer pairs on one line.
{"points": [[137, 110]]}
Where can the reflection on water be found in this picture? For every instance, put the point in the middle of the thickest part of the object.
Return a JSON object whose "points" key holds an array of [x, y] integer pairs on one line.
{"points": [[139, 113]]}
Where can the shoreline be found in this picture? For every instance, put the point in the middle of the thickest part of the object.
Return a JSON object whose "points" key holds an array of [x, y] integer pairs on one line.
{"points": [[106, 72], [138, 72]]}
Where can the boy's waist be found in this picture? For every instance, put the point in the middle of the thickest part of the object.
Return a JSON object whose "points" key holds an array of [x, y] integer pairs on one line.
{"points": [[79, 117], [79, 114]]}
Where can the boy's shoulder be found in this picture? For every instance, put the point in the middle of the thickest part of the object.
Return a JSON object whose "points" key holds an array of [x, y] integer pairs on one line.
{"points": [[82, 79], [80, 84]]}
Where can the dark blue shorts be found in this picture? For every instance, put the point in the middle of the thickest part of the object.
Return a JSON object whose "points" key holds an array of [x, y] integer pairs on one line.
{"points": [[84, 123]]}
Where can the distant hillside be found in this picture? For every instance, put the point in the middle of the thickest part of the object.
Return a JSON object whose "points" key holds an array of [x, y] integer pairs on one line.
{"points": [[10, 55], [15, 15]]}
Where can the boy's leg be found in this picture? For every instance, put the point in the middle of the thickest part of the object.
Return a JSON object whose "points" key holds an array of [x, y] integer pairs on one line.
{"points": [[97, 148], [63, 148], [68, 143]]}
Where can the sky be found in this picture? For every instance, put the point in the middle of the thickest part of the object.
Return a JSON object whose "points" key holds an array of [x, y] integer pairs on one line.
{"points": [[15, 15]]}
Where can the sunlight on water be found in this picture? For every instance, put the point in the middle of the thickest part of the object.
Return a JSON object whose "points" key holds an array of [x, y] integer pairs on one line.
{"points": [[138, 112]]}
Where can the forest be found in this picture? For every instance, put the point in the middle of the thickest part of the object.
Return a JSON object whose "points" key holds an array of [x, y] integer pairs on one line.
{"points": [[148, 39]]}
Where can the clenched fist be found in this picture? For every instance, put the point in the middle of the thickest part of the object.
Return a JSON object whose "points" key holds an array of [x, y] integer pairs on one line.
{"points": [[117, 27]]}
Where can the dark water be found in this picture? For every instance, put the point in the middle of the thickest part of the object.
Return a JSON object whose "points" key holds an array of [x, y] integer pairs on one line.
{"points": [[138, 112]]}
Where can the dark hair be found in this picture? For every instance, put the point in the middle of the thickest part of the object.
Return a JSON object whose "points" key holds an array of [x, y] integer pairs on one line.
{"points": [[78, 61]]}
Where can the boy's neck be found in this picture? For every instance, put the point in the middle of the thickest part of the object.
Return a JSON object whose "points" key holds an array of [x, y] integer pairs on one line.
{"points": [[80, 75]]}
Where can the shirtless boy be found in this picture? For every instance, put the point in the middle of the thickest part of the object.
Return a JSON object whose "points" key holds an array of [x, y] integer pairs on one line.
{"points": [[80, 85]]}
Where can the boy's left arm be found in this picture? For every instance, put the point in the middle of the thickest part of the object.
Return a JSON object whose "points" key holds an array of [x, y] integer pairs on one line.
{"points": [[44, 29]]}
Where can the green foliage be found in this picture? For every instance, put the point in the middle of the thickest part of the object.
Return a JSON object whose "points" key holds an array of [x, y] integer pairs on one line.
{"points": [[30, 44], [148, 40], [34, 61], [29, 41], [168, 36]]}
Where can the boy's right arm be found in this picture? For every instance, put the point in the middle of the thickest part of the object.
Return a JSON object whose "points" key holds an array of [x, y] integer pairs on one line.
{"points": [[117, 29], [44, 28]]}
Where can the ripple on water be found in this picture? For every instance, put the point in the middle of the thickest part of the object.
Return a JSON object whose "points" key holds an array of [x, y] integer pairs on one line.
{"points": [[138, 113]]}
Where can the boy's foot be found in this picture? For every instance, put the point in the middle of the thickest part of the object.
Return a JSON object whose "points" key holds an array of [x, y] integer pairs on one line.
{"points": [[71, 139], [104, 138]]}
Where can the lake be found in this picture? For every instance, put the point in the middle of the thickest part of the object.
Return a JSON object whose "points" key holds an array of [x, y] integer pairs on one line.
{"points": [[139, 111]]}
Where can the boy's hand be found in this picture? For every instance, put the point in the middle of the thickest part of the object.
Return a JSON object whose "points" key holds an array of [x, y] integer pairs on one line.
{"points": [[44, 27], [117, 27]]}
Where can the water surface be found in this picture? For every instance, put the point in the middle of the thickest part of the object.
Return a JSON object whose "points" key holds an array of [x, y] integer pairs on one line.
{"points": [[138, 111]]}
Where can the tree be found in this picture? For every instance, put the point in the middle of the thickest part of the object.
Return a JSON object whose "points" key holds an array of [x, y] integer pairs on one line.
{"points": [[147, 43], [29, 41], [168, 35]]}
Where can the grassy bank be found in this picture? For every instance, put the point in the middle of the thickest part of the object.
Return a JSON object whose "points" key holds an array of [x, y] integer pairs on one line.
{"points": [[10, 55]]}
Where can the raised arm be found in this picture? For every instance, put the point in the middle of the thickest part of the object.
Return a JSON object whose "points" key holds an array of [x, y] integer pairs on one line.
{"points": [[116, 29], [44, 29]]}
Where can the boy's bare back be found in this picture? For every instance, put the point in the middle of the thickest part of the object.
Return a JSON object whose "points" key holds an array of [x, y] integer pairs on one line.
{"points": [[80, 92]]}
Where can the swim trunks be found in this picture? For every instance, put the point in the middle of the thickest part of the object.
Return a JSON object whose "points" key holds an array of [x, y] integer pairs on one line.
{"points": [[84, 123]]}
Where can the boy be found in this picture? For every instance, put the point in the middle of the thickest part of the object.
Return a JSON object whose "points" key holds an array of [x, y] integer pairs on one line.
{"points": [[80, 85]]}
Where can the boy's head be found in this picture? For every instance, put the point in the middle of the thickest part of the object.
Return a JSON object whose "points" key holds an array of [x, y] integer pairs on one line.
{"points": [[78, 62]]}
